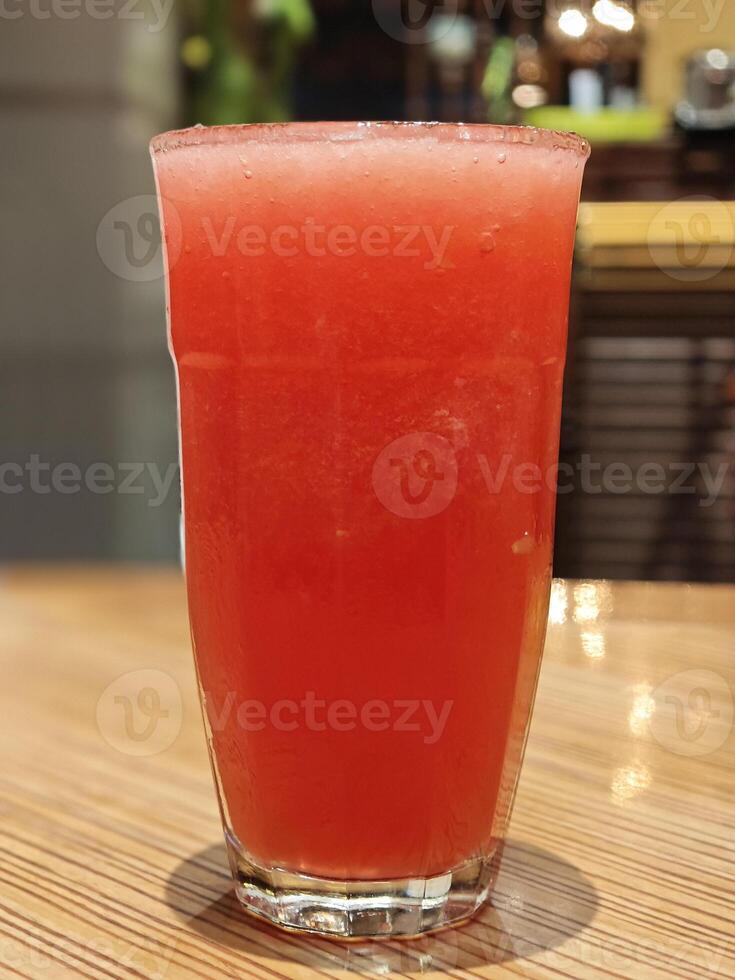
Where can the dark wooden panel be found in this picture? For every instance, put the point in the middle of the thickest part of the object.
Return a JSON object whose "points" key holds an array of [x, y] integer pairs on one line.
{"points": [[648, 439], [651, 379], [650, 308]]}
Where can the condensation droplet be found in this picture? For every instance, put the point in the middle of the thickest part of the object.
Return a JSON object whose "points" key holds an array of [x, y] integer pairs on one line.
{"points": [[187, 249], [475, 159], [524, 545], [501, 157], [225, 275], [248, 174], [487, 242]]}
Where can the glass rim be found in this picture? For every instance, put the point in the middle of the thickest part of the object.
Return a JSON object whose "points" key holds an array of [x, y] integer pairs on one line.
{"points": [[346, 131]]}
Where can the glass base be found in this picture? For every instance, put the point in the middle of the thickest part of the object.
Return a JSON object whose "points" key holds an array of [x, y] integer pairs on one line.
{"points": [[361, 909]]}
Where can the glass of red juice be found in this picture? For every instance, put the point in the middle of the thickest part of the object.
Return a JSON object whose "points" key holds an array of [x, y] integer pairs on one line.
{"points": [[368, 322]]}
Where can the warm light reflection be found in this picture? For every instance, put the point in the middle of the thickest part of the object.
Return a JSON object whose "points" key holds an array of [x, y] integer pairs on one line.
{"points": [[586, 602], [529, 96], [593, 644], [614, 15], [717, 59], [558, 604], [196, 52], [573, 22], [628, 781], [641, 710]]}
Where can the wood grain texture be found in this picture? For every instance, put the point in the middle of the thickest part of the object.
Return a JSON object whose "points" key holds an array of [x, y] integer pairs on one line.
{"points": [[621, 857]]}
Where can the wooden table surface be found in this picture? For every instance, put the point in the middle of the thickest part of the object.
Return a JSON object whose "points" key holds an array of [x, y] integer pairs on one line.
{"points": [[621, 854]]}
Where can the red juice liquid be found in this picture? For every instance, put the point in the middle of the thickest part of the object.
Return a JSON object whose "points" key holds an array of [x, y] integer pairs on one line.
{"points": [[369, 325]]}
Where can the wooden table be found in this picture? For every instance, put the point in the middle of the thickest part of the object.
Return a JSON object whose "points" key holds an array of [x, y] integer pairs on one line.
{"points": [[622, 841]]}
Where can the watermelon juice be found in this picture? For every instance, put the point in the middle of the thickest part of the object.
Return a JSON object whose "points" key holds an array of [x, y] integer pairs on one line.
{"points": [[369, 328]]}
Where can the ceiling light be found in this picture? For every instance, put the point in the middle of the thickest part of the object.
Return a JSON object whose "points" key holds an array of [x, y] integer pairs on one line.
{"points": [[573, 22], [614, 15]]}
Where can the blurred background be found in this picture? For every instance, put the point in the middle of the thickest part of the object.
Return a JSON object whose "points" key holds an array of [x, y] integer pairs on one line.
{"points": [[89, 449]]}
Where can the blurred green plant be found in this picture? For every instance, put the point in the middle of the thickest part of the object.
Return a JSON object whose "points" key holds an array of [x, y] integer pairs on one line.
{"points": [[241, 58], [497, 81]]}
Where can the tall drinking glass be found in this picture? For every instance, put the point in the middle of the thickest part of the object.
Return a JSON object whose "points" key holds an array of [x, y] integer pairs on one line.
{"points": [[369, 323]]}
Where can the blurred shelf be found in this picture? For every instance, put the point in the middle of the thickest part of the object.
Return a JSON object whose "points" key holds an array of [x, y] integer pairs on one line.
{"points": [[638, 125], [651, 223], [678, 165]]}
